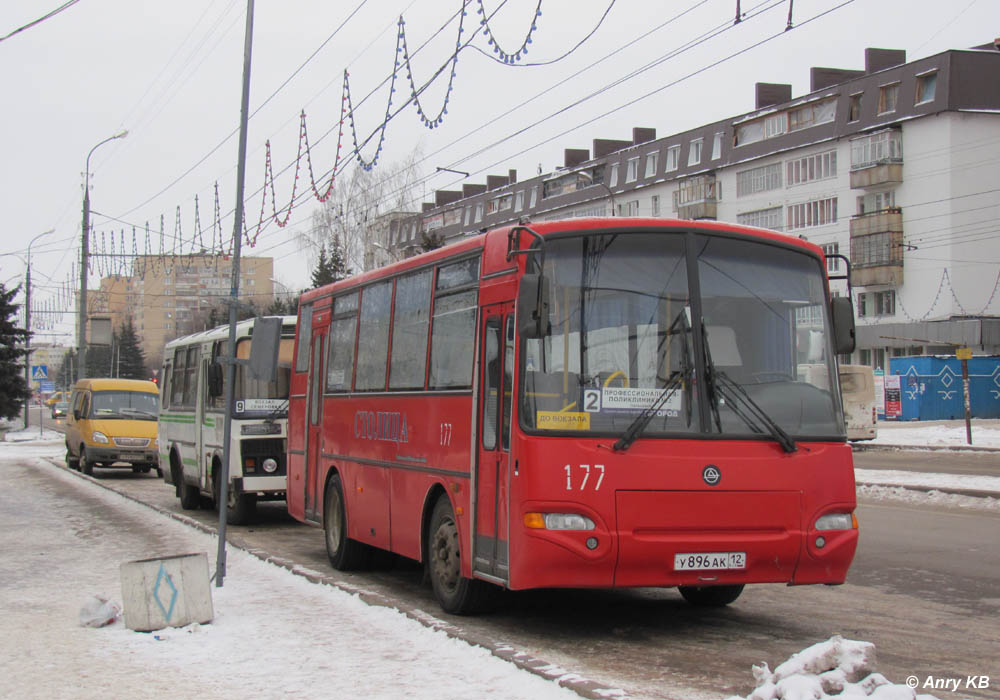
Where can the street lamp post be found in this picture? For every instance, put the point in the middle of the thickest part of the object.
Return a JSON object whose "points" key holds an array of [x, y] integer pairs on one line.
{"points": [[27, 327], [589, 179], [84, 252]]}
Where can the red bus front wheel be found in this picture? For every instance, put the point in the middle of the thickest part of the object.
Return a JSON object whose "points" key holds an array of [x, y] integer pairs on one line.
{"points": [[711, 596], [455, 594]]}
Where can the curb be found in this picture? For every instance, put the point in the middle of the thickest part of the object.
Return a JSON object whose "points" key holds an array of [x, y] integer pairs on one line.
{"points": [[861, 447], [974, 493], [592, 690]]}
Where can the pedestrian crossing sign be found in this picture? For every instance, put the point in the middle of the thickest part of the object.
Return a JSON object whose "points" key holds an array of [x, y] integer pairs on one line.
{"points": [[39, 372]]}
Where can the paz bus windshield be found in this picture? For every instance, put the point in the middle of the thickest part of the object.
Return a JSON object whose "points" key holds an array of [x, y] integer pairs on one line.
{"points": [[679, 335]]}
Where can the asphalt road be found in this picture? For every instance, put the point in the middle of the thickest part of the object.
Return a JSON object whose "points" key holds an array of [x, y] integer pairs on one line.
{"points": [[922, 588]]}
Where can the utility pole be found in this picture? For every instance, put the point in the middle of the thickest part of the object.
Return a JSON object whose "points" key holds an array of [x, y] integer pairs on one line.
{"points": [[223, 494], [84, 254], [27, 327]]}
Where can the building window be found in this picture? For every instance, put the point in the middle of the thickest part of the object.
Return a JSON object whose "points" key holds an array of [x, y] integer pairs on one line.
{"points": [[854, 109], [876, 201], [519, 201], [876, 249], [809, 168], [694, 151], [760, 179], [655, 205], [926, 85], [534, 197], [887, 96], [832, 264], [632, 170], [613, 179], [818, 212], [651, 160], [629, 208], [673, 158], [775, 125], [812, 114], [877, 303], [479, 213], [761, 218], [875, 149], [717, 145]]}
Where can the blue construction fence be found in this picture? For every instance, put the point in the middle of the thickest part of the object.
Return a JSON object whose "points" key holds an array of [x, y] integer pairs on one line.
{"points": [[931, 387]]}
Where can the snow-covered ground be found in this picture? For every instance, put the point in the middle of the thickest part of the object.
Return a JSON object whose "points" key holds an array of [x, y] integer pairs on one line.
{"points": [[268, 639], [985, 433]]}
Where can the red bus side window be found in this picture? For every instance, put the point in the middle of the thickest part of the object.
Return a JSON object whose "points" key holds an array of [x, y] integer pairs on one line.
{"points": [[491, 382]]}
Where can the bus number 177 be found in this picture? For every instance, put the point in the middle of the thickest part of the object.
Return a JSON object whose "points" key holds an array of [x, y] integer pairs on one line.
{"points": [[585, 468]]}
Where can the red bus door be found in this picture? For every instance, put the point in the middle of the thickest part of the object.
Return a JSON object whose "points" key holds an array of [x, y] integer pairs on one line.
{"points": [[490, 554], [314, 417]]}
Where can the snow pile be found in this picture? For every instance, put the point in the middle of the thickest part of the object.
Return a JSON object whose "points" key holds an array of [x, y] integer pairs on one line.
{"points": [[880, 492], [837, 668], [952, 435]]}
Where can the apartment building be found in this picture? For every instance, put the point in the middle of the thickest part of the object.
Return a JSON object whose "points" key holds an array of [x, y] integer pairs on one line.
{"points": [[894, 167], [170, 296]]}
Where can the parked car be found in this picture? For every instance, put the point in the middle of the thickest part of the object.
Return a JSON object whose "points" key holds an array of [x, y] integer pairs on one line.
{"points": [[60, 409]]}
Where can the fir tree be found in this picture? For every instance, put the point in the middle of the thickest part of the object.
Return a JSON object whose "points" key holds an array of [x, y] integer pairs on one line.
{"points": [[14, 392], [131, 363], [322, 275], [66, 375], [338, 262]]}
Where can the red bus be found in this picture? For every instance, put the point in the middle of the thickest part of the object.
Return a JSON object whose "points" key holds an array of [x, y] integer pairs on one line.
{"points": [[580, 403]]}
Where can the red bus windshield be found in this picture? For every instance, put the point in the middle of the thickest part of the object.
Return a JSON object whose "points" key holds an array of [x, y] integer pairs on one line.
{"points": [[623, 334]]}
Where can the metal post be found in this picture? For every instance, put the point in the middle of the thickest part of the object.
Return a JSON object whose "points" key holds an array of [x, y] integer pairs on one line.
{"points": [[968, 407], [223, 494], [84, 254], [27, 338], [27, 327]]}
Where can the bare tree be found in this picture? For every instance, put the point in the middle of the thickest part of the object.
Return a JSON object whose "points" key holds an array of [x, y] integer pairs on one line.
{"points": [[357, 212]]}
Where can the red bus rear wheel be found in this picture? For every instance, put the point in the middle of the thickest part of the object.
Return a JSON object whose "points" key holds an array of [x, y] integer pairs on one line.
{"points": [[344, 553]]}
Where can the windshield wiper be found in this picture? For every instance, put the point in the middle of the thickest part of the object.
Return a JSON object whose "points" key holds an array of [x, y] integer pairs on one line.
{"points": [[676, 379], [734, 394], [739, 402]]}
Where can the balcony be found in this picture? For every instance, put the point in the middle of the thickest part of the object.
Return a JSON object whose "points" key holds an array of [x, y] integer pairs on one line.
{"points": [[877, 248], [698, 198], [877, 159]]}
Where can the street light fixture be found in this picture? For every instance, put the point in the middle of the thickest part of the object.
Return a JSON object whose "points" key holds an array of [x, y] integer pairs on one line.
{"points": [[84, 252], [27, 327], [589, 178]]}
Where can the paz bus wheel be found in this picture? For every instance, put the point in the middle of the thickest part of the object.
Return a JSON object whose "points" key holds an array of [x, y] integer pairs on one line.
{"points": [[710, 596], [241, 507], [345, 554], [455, 593], [190, 498]]}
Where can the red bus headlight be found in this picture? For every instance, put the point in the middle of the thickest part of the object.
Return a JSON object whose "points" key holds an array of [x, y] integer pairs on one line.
{"points": [[837, 521], [558, 521]]}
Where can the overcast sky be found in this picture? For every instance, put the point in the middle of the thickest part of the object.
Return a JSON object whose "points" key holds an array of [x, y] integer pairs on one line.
{"points": [[171, 74]]}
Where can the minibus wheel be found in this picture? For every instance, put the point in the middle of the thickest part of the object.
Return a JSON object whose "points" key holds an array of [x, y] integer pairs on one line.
{"points": [[711, 596], [71, 461], [86, 466]]}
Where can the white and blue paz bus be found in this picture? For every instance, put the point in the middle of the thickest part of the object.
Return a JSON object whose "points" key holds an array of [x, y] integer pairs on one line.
{"points": [[192, 418]]}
